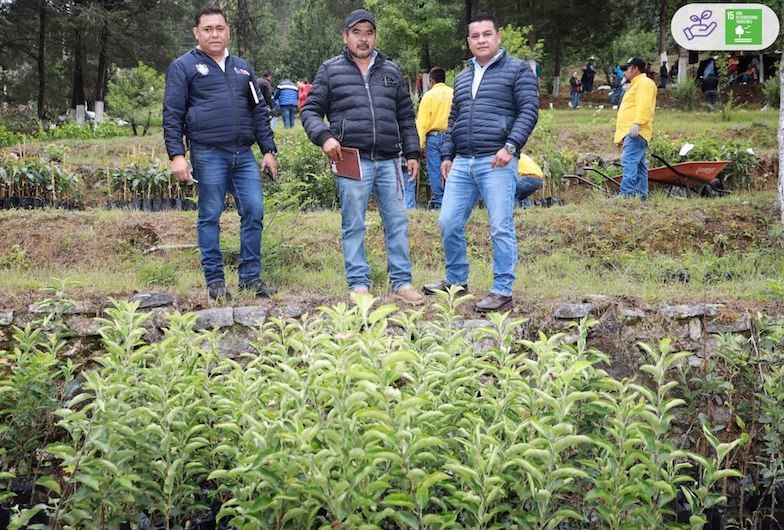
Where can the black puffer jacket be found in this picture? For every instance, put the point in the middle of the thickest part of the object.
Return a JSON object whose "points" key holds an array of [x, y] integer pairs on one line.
{"points": [[506, 109], [377, 118]]}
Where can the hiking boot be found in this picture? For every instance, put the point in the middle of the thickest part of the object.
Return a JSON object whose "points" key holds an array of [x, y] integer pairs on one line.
{"points": [[217, 291], [493, 302], [258, 288], [356, 292], [431, 288], [409, 295]]}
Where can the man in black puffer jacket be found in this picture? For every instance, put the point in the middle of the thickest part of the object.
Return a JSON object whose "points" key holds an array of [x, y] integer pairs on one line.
{"points": [[211, 98], [494, 110], [368, 107]]}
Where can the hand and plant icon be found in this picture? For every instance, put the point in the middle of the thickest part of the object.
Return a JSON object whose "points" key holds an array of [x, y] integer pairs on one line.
{"points": [[700, 28]]}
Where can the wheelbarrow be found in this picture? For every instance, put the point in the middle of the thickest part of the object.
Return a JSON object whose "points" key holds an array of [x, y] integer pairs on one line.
{"points": [[693, 176]]}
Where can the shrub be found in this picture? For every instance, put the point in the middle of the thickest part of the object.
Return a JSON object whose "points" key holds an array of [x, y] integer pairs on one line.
{"points": [[136, 95], [554, 161], [8, 138], [772, 91], [684, 94], [364, 417], [305, 180], [70, 130]]}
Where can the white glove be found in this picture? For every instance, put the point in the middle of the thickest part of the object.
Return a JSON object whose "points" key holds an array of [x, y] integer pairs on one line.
{"points": [[634, 132]]}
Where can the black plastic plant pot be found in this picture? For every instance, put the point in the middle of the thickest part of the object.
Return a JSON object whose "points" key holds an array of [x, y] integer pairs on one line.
{"points": [[147, 205], [189, 205], [157, 205], [136, 204], [38, 202], [25, 203], [8, 203]]}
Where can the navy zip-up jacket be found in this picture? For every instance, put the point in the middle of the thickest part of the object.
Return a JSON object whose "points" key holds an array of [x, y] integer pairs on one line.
{"points": [[506, 109], [377, 118], [213, 108]]}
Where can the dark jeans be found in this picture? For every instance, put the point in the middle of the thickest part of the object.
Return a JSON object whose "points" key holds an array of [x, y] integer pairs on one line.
{"points": [[711, 97], [288, 112], [219, 171], [526, 186]]}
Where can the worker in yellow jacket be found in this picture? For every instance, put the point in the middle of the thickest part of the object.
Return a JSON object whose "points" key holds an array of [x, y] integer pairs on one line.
{"points": [[432, 119], [529, 180], [634, 128]]}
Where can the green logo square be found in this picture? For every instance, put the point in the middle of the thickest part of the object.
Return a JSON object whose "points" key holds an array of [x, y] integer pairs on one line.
{"points": [[743, 26]]}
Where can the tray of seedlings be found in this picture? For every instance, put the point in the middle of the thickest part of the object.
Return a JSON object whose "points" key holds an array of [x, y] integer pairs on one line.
{"points": [[27, 183], [148, 187]]}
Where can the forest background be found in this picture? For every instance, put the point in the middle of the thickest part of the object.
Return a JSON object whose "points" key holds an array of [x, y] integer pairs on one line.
{"points": [[56, 55]]}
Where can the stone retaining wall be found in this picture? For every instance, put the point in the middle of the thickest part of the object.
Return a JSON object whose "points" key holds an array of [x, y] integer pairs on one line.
{"points": [[621, 324]]}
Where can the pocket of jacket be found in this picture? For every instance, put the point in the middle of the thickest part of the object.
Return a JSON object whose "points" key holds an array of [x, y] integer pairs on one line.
{"points": [[505, 126]]}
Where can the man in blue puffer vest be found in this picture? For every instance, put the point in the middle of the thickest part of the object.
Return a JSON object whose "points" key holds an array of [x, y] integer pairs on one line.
{"points": [[368, 107], [211, 99], [287, 99], [494, 110]]}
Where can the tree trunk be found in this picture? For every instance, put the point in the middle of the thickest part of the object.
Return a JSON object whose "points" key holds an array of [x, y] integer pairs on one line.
{"points": [[77, 93], [103, 66], [531, 34], [663, 31], [780, 132], [557, 67], [683, 64], [242, 27], [41, 59], [469, 9]]}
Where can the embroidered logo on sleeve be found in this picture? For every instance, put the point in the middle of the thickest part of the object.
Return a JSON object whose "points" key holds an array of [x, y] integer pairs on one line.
{"points": [[202, 68], [389, 81], [241, 71]]}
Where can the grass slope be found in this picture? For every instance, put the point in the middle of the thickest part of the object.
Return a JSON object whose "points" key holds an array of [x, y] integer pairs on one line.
{"points": [[719, 250]]}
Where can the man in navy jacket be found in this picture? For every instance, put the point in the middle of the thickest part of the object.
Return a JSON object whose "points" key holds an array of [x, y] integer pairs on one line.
{"points": [[494, 110], [211, 99], [366, 102]]}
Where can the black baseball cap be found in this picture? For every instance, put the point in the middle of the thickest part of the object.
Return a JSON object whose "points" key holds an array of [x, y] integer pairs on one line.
{"points": [[357, 16], [639, 62]]}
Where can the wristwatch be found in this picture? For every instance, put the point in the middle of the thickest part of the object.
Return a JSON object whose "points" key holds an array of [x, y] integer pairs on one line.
{"points": [[510, 148]]}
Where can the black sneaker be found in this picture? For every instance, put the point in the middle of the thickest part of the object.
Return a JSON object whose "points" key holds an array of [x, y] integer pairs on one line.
{"points": [[217, 291], [259, 288]]}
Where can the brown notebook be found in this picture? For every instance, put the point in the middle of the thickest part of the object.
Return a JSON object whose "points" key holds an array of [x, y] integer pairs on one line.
{"points": [[350, 167]]}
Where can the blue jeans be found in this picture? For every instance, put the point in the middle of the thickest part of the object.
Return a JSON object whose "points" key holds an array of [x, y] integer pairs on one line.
{"points": [[433, 144], [410, 190], [288, 112], [468, 179], [219, 171], [575, 100], [635, 169], [525, 187], [384, 180]]}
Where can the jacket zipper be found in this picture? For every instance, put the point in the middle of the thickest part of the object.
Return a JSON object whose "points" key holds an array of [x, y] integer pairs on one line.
{"points": [[234, 104], [473, 102], [372, 112]]}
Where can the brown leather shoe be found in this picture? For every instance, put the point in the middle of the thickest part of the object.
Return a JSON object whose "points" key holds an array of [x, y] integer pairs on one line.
{"points": [[431, 288], [409, 295], [493, 302]]}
